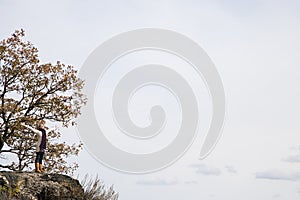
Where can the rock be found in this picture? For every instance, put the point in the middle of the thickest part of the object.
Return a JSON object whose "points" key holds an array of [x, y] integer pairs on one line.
{"points": [[39, 186]]}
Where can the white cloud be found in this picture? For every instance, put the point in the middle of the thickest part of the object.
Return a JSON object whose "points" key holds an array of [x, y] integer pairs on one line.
{"points": [[231, 169], [276, 195], [278, 175], [292, 158], [157, 181], [206, 170], [191, 182], [295, 157], [295, 148]]}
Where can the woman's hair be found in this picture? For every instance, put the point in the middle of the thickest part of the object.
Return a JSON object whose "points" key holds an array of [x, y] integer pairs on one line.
{"points": [[40, 124]]}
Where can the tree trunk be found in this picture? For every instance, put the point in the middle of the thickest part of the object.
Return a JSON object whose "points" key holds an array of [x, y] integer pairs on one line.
{"points": [[1, 143]]}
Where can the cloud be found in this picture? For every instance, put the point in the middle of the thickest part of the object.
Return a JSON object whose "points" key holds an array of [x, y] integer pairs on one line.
{"points": [[231, 169], [206, 170], [292, 158], [295, 148], [276, 195], [278, 175], [157, 181], [191, 182], [295, 157]]}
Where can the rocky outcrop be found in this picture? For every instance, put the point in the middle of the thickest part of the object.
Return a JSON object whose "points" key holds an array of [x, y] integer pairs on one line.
{"points": [[39, 186]]}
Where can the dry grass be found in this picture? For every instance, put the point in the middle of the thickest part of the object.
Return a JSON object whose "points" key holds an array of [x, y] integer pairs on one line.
{"points": [[94, 189]]}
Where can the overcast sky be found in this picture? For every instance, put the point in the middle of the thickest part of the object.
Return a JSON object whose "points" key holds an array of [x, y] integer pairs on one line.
{"points": [[255, 46]]}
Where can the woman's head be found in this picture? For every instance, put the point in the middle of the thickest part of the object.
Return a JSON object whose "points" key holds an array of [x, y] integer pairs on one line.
{"points": [[41, 124]]}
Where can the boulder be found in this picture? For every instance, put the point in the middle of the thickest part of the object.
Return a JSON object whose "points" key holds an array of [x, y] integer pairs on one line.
{"points": [[39, 186]]}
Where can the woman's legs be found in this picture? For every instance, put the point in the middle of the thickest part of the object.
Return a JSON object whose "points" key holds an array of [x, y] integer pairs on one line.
{"points": [[37, 158], [41, 161], [38, 161]]}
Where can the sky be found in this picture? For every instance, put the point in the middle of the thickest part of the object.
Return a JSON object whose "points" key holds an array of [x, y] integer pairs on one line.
{"points": [[254, 46]]}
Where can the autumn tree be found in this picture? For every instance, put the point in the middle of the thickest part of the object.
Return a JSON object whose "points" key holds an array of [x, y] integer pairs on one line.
{"points": [[31, 92]]}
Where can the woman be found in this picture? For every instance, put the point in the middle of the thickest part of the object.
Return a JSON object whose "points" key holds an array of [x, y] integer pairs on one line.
{"points": [[40, 145]]}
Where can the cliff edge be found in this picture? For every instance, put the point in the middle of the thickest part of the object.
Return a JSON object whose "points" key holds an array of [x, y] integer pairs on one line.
{"points": [[39, 186]]}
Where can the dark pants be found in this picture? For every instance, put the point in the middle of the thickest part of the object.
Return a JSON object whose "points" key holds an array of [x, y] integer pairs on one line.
{"points": [[39, 157]]}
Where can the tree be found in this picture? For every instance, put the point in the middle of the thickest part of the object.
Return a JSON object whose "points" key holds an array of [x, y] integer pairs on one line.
{"points": [[31, 92]]}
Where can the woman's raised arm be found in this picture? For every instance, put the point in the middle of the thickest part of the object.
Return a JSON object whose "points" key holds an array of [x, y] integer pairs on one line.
{"points": [[33, 129]]}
